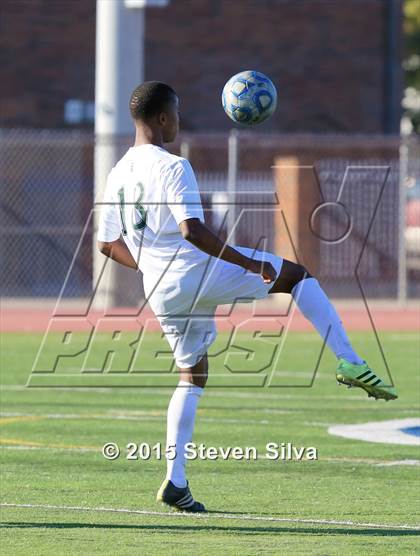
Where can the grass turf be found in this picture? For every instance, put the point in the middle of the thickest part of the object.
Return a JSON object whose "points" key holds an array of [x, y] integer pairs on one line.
{"points": [[51, 455]]}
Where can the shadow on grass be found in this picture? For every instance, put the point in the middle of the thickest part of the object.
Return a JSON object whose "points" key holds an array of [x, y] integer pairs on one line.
{"points": [[316, 529]]}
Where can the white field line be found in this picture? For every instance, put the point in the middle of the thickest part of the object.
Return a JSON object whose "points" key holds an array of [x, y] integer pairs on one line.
{"points": [[317, 424], [138, 415], [372, 462], [210, 392], [409, 337], [414, 462], [338, 460], [141, 416], [157, 415], [215, 515]]}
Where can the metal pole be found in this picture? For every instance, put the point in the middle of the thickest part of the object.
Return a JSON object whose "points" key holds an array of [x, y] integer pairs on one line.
{"points": [[402, 249], [392, 67], [184, 149], [119, 69], [232, 184]]}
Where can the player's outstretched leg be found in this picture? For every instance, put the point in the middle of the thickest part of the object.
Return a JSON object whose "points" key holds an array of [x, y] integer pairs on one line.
{"points": [[174, 490], [318, 309]]}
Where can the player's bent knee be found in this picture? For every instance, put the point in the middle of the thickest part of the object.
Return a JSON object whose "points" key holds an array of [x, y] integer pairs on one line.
{"points": [[196, 375], [290, 274], [198, 378], [305, 273], [201, 380]]}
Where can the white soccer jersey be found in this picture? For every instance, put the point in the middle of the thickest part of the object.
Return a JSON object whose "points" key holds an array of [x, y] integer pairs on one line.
{"points": [[149, 192]]}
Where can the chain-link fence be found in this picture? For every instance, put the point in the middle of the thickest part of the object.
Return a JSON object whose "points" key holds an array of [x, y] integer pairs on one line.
{"points": [[47, 195], [46, 198]]}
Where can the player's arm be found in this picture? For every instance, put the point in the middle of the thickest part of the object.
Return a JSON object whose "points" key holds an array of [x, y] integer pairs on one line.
{"points": [[184, 202], [118, 251], [197, 233], [109, 230]]}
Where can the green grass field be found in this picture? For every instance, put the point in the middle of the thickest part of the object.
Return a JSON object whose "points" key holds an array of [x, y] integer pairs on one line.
{"points": [[51, 456]]}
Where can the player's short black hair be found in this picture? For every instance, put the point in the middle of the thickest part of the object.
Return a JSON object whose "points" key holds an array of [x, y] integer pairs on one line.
{"points": [[149, 99]]}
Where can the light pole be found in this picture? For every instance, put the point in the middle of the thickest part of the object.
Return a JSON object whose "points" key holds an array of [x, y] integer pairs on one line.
{"points": [[119, 69]]}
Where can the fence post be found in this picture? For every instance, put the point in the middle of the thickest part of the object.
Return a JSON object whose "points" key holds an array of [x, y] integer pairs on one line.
{"points": [[232, 184], [402, 249]]}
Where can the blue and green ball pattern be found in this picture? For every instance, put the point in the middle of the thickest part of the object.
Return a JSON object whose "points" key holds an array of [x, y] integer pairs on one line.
{"points": [[249, 98]]}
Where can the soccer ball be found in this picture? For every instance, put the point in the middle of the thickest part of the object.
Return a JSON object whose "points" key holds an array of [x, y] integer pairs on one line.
{"points": [[249, 97]]}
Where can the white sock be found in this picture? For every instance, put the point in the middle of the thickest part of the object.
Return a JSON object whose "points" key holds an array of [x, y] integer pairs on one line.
{"points": [[180, 426], [316, 307]]}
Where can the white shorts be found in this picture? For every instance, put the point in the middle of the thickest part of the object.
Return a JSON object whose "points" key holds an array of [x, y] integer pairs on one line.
{"points": [[185, 304]]}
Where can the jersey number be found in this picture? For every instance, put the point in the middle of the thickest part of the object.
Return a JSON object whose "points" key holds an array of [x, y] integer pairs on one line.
{"points": [[139, 212]]}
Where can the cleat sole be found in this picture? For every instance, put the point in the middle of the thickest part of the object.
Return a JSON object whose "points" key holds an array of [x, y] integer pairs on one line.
{"points": [[371, 391]]}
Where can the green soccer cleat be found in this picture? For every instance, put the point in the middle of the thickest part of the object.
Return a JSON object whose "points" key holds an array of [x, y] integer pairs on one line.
{"points": [[363, 377], [179, 498]]}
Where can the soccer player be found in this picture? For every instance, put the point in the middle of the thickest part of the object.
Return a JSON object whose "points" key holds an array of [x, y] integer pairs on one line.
{"points": [[152, 220]]}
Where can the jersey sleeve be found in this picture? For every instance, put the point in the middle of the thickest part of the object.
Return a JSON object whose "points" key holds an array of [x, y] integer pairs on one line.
{"points": [[109, 223], [182, 193]]}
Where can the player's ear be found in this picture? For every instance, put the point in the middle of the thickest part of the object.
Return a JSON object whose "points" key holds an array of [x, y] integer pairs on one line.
{"points": [[163, 118]]}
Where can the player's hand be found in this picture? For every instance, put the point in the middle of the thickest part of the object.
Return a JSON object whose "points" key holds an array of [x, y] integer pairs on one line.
{"points": [[266, 270]]}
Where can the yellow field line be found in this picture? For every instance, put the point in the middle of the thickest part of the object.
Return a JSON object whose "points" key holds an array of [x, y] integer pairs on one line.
{"points": [[8, 420], [31, 444]]}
